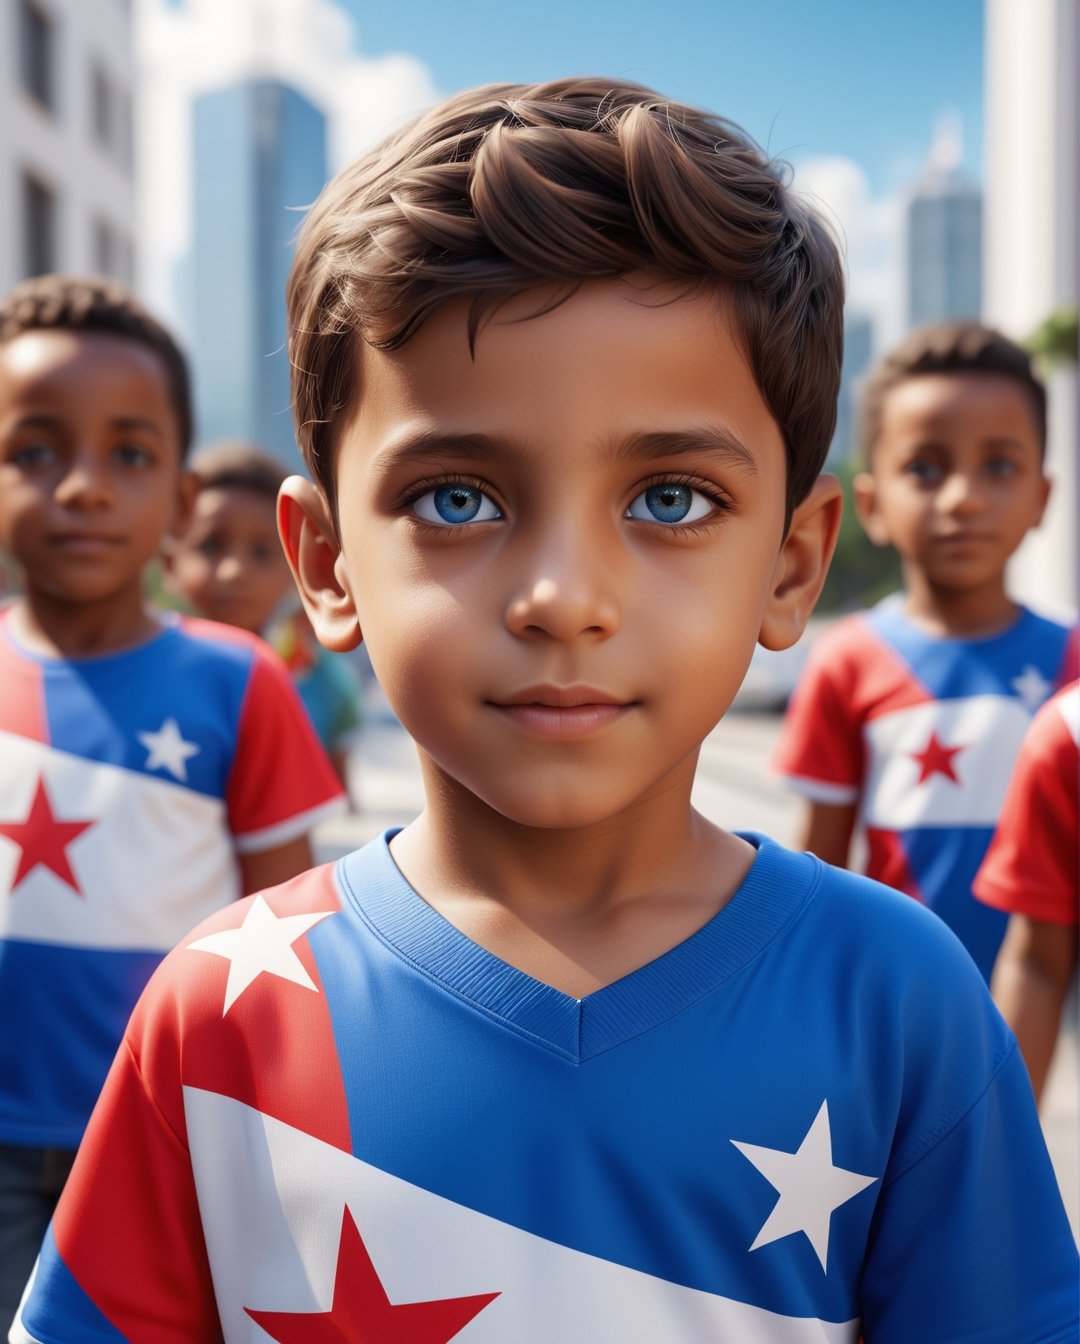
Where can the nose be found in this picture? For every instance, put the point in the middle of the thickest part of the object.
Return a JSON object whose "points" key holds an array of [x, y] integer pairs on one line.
{"points": [[229, 568], [960, 493], [569, 587], [85, 485]]}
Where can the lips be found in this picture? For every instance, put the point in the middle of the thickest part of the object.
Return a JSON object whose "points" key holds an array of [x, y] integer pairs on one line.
{"points": [[560, 697], [85, 541], [562, 712]]}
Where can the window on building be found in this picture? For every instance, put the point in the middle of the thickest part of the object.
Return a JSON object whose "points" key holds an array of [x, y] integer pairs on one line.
{"points": [[104, 247], [37, 43], [101, 108], [39, 226]]}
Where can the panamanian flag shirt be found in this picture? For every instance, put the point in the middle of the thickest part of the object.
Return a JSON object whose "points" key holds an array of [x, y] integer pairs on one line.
{"points": [[128, 784], [922, 733], [336, 1118]]}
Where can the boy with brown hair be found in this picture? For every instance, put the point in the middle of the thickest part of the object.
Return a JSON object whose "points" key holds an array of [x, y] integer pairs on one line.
{"points": [[561, 1060], [909, 717], [151, 770]]}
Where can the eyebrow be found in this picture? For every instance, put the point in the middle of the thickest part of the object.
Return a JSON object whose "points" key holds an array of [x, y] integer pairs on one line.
{"points": [[711, 440], [123, 422]]}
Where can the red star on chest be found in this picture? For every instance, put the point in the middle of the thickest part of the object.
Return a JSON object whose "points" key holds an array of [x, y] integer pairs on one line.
{"points": [[44, 839], [936, 759], [362, 1313]]}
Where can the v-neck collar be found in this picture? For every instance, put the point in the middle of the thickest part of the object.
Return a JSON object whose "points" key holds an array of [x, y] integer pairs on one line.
{"points": [[777, 886]]}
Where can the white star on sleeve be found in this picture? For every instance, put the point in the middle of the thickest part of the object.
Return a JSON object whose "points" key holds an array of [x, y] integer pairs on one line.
{"points": [[810, 1186], [1032, 687], [168, 750], [262, 944]]}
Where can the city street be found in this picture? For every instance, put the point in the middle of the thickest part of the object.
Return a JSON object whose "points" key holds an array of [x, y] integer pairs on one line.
{"points": [[734, 788]]}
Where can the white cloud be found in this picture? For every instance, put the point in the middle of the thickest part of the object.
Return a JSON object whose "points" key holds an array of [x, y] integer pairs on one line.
{"points": [[871, 231], [210, 43]]}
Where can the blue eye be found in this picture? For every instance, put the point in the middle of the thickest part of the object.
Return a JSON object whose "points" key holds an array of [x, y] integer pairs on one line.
{"points": [[670, 503], [455, 504]]}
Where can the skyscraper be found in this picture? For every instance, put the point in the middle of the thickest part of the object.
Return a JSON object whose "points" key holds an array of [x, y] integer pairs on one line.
{"points": [[858, 343], [944, 239], [259, 158]]}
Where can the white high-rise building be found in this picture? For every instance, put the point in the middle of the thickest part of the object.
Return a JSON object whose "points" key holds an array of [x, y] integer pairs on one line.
{"points": [[1032, 256], [944, 238], [66, 161]]}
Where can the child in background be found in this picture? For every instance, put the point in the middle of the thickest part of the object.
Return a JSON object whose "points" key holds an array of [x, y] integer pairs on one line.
{"points": [[562, 1060], [908, 718], [1032, 873], [228, 565], [151, 769]]}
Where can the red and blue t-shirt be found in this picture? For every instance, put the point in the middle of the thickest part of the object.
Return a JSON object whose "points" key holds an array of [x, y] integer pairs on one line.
{"points": [[128, 784], [922, 733]]}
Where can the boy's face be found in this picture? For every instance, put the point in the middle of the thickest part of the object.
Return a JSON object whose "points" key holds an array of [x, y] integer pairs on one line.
{"points": [[956, 480], [90, 474], [560, 552], [229, 563]]}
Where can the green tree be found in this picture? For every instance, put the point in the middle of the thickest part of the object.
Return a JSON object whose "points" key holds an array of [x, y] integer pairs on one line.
{"points": [[861, 573]]}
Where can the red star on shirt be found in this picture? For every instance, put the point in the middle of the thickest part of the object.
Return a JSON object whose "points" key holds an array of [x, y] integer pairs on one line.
{"points": [[363, 1314], [44, 839], [936, 759]]}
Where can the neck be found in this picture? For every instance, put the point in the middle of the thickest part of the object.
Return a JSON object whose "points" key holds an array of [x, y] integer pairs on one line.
{"points": [[575, 908], [61, 629], [975, 612]]}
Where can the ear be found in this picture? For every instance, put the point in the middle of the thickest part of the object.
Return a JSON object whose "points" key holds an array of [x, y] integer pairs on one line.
{"points": [[865, 494], [1046, 491], [311, 547], [187, 487], [802, 564]]}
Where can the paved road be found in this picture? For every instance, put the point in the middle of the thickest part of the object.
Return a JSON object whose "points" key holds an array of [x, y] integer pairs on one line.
{"points": [[735, 789]]}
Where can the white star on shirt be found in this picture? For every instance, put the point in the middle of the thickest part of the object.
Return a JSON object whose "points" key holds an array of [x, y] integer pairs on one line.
{"points": [[810, 1186], [168, 750], [1032, 687], [262, 943]]}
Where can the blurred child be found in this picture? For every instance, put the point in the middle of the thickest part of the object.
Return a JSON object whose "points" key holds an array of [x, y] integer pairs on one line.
{"points": [[229, 566], [1032, 873], [909, 717], [562, 1060], [151, 769]]}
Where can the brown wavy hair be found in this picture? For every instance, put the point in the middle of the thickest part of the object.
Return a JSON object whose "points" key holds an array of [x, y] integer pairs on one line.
{"points": [[94, 304], [505, 188]]}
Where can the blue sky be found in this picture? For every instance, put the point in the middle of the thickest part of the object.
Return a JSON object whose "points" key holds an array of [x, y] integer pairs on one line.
{"points": [[865, 79]]}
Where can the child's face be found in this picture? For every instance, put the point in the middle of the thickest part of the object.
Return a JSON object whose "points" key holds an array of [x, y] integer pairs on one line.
{"points": [[560, 552], [90, 472], [956, 480], [229, 563]]}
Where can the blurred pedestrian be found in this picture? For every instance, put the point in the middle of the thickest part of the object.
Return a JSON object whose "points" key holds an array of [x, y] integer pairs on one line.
{"points": [[908, 718], [228, 565], [1032, 873], [152, 769]]}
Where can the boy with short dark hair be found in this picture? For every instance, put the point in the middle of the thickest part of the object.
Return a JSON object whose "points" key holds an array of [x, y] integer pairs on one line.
{"points": [[909, 716], [561, 1060], [151, 769], [228, 564]]}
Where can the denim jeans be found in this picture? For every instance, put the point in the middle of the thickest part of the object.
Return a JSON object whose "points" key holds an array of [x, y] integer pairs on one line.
{"points": [[31, 1180]]}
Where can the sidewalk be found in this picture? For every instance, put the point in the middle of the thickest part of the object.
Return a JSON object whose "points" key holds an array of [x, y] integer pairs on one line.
{"points": [[733, 788]]}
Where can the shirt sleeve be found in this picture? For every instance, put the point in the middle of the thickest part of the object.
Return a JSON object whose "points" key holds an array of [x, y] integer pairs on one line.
{"points": [[281, 782], [124, 1258], [1033, 864], [971, 1241], [820, 750]]}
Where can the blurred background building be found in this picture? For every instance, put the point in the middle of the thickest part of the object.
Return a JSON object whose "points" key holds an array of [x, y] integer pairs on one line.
{"points": [[944, 237], [1032, 118], [258, 158], [66, 160]]}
